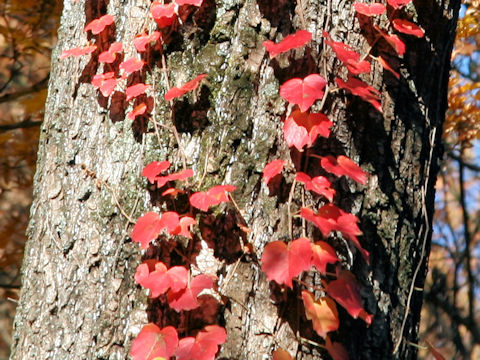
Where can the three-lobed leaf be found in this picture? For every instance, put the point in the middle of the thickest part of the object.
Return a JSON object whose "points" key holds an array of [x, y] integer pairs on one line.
{"points": [[303, 92], [323, 313], [282, 262], [153, 342]]}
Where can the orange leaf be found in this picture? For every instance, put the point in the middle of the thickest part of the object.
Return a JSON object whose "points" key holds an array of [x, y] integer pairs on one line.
{"points": [[323, 313]]}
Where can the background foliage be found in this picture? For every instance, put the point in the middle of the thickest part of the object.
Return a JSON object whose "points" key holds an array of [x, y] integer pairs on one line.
{"points": [[27, 36], [450, 319]]}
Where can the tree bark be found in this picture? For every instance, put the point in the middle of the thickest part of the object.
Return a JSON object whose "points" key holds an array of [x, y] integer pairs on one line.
{"points": [[79, 299]]}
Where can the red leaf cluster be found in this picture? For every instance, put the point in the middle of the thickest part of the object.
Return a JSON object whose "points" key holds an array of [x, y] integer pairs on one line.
{"points": [[182, 291], [330, 218], [149, 226]]}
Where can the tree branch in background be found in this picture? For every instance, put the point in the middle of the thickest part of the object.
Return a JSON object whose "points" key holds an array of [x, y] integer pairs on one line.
{"points": [[27, 123], [42, 84]]}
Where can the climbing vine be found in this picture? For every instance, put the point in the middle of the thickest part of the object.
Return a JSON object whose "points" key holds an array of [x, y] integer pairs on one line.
{"points": [[175, 281]]}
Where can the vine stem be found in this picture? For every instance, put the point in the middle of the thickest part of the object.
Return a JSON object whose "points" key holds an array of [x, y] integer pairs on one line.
{"points": [[290, 198], [174, 127], [425, 228]]}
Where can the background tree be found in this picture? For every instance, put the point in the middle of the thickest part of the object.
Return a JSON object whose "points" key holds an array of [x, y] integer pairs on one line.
{"points": [[451, 314], [27, 34], [79, 298]]}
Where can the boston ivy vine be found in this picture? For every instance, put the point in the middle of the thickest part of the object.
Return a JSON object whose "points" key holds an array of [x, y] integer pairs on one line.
{"points": [[181, 286]]}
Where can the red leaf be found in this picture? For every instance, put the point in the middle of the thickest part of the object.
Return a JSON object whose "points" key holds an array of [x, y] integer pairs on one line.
{"points": [[164, 15], [387, 67], [282, 262], [184, 226], [146, 229], [172, 192], [407, 27], [98, 25], [394, 41], [323, 313], [348, 56], [204, 346], [182, 175], [154, 168], [153, 342], [302, 129], [135, 90], [281, 354], [98, 79], [150, 225], [186, 299], [336, 350], [109, 56], [272, 169], [343, 51], [214, 196], [300, 38], [157, 280], [197, 3], [105, 83], [78, 51], [343, 165], [303, 92], [346, 291], [179, 277], [138, 110], [396, 4], [369, 9], [358, 67], [131, 65], [182, 90], [330, 218], [169, 221], [141, 41], [359, 88], [108, 86], [323, 254], [318, 184]]}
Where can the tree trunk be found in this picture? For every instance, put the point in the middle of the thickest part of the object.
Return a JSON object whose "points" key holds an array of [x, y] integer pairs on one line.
{"points": [[79, 299]]}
